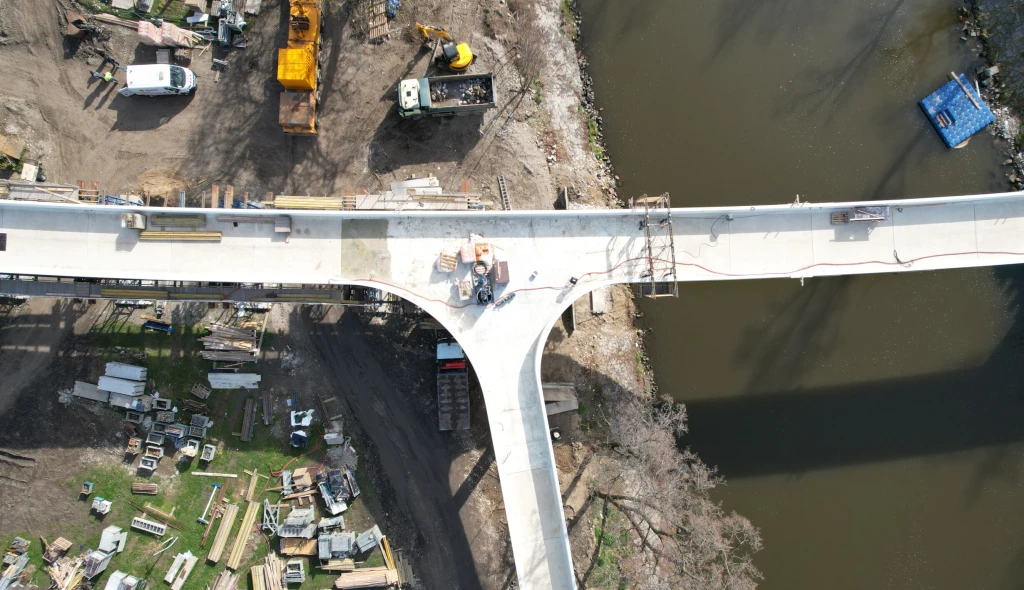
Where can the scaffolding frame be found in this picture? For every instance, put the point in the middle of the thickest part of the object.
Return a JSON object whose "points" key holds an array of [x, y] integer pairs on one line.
{"points": [[661, 247]]}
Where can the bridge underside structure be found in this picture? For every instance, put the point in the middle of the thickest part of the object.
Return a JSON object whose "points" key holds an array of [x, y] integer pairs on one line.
{"points": [[572, 253]]}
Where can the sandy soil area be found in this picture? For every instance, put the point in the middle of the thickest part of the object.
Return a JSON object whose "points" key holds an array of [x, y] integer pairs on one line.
{"points": [[228, 131]]}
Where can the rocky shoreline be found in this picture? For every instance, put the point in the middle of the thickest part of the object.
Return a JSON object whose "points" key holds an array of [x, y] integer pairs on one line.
{"points": [[595, 122], [996, 34]]}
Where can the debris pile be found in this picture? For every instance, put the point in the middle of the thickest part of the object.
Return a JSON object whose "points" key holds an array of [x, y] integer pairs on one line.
{"points": [[227, 343], [473, 91]]}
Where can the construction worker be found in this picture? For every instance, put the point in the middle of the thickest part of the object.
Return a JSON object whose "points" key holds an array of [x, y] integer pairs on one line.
{"points": [[113, 63], [105, 76]]}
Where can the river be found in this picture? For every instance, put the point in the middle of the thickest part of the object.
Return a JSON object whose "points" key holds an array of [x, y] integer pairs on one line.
{"points": [[872, 427]]}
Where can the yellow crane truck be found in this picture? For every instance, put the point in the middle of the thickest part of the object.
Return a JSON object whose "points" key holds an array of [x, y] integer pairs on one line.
{"points": [[298, 67]]}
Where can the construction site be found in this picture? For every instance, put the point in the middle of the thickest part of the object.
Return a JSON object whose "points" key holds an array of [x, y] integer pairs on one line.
{"points": [[153, 433]]}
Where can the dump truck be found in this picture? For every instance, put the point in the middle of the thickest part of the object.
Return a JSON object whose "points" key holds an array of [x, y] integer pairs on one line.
{"points": [[298, 68], [446, 96], [452, 386]]}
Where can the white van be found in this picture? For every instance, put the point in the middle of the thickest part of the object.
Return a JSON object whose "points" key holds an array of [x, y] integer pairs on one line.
{"points": [[158, 80]]}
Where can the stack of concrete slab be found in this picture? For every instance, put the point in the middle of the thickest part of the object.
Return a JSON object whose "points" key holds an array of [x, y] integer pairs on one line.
{"points": [[122, 386], [123, 371], [234, 380], [90, 391]]}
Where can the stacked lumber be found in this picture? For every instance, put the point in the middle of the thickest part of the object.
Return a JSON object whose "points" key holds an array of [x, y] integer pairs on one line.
{"points": [[242, 539], [321, 203], [370, 577], [221, 538], [148, 235], [149, 489], [269, 575], [224, 337], [229, 356], [248, 419], [225, 581], [339, 565]]}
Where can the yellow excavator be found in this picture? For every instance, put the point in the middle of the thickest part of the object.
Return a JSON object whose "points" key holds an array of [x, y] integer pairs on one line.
{"points": [[455, 56]]}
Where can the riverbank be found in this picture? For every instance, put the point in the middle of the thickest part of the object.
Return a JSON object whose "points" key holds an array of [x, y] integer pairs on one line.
{"points": [[996, 31], [626, 485]]}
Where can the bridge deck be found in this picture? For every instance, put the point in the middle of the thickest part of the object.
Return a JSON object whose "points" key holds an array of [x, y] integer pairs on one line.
{"points": [[398, 251]]}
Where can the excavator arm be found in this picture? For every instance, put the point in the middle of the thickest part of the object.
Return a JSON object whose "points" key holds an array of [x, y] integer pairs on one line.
{"points": [[431, 32]]}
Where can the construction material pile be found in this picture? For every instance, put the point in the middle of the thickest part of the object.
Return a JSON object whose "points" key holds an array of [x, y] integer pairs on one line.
{"points": [[227, 343], [66, 573], [268, 576], [15, 560]]}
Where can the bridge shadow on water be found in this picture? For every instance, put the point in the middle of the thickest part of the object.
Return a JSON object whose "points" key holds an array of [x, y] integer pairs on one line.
{"points": [[792, 430]]}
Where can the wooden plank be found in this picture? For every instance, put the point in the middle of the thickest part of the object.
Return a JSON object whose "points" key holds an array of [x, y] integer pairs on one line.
{"points": [[212, 474], [252, 486], [242, 539], [221, 538], [215, 196]]}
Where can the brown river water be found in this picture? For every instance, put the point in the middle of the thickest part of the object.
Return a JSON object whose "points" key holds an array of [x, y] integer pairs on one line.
{"points": [[872, 427]]}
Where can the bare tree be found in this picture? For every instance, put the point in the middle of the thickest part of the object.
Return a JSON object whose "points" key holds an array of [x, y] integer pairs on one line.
{"points": [[682, 538], [531, 44]]}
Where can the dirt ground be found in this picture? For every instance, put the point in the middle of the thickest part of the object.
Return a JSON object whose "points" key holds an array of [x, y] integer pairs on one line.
{"points": [[228, 131]]}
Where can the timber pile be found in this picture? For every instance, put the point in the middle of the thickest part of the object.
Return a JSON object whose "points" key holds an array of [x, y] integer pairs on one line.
{"points": [[149, 489], [370, 577], [242, 539], [248, 419], [269, 575], [339, 565], [225, 581], [224, 337], [315, 203], [66, 573]]}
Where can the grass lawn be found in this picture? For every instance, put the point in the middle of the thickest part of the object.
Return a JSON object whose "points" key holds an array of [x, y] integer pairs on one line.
{"points": [[174, 363]]}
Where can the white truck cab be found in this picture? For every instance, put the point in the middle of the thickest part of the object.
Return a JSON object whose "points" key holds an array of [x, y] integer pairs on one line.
{"points": [[158, 80]]}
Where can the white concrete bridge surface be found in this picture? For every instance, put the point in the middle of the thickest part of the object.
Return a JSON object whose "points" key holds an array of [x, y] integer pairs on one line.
{"points": [[572, 253]]}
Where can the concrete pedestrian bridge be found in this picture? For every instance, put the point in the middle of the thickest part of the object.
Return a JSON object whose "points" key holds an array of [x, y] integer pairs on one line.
{"points": [[572, 252]]}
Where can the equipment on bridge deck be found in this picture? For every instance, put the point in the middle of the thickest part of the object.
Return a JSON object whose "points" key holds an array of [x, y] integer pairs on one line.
{"points": [[875, 214]]}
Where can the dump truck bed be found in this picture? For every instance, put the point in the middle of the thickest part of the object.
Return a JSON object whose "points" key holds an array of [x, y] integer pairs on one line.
{"points": [[466, 91]]}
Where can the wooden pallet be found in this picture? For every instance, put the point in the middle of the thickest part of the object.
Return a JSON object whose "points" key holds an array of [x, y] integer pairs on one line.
{"points": [[149, 489], [377, 25]]}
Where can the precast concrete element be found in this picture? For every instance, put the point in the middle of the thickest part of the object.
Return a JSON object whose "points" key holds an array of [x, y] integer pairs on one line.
{"points": [[545, 251]]}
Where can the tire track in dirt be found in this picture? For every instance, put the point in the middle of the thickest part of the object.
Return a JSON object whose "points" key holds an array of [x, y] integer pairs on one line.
{"points": [[409, 451]]}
